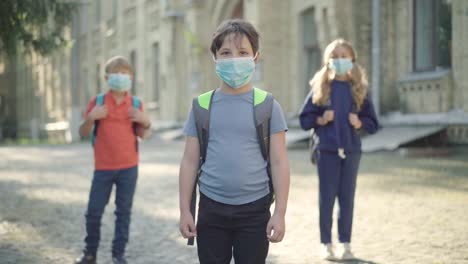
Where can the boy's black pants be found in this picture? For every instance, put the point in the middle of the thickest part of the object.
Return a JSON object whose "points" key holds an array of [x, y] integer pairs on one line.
{"points": [[225, 230]]}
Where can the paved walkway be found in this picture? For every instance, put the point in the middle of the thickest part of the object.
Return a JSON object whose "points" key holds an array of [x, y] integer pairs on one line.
{"points": [[408, 210]]}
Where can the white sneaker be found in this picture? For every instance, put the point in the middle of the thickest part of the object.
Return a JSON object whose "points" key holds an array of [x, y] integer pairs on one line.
{"points": [[345, 252], [326, 252]]}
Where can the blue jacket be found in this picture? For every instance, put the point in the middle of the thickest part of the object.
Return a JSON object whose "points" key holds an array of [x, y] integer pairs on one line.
{"points": [[339, 133]]}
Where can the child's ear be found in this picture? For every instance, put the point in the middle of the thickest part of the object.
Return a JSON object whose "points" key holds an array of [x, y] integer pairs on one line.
{"points": [[257, 57]]}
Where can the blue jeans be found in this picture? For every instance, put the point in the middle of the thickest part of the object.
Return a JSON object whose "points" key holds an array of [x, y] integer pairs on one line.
{"points": [[337, 179], [101, 188]]}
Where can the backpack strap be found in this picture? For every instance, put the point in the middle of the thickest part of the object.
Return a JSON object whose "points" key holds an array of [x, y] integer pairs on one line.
{"points": [[99, 102], [263, 108], [201, 112], [136, 103]]}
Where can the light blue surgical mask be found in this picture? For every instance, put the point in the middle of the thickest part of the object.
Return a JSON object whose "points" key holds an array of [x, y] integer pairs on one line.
{"points": [[235, 72], [341, 66], [119, 81]]}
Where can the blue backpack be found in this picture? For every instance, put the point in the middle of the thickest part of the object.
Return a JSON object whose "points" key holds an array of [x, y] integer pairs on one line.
{"points": [[136, 103]]}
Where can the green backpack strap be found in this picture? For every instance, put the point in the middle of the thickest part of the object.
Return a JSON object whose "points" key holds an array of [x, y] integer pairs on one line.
{"points": [[99, 102], [263, 109], [201, 112]]}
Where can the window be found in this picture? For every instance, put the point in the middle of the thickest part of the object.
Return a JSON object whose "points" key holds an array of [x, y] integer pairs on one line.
{"points": [[84, 16], [432, 34], [98, 78], [238, 10], [156, 84], [312, 55], [114, 8], [326, 26], [84, 81], [98, 11], [133, 62]]}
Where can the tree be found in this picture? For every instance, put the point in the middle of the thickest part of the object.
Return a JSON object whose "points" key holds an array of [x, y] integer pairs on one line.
{"points": [[36, 25]]}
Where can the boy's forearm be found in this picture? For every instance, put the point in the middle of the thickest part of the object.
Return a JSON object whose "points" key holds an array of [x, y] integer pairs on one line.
{"points": [[144, 128], [86, 127], [280, 176], [187, 176], [143, 133]]}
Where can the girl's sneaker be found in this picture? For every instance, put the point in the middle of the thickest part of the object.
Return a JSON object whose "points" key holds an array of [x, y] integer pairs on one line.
{"points": [[345, 252], [326, 252], [85, 259]]}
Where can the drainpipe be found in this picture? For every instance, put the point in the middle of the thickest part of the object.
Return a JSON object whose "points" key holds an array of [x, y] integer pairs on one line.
{"points": [[376, 55]]}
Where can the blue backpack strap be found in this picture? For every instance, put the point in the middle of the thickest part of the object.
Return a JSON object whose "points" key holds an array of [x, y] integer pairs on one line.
{"points": [[99, 102], [136, 102], [100, 99]]}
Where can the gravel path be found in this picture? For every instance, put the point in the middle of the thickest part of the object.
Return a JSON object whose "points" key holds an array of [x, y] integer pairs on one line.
{"points": [[408, 209]]}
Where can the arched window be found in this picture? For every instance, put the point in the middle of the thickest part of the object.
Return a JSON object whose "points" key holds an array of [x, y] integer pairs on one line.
{"points": [[311, 49]]}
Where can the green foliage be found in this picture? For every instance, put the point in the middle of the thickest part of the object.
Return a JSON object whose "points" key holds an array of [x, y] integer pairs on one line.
{"points": [[36, 25]]}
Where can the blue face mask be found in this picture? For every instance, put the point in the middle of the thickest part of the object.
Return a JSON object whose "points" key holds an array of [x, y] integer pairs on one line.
{"points": [[340, 66], [119, 81], [235, 72]]}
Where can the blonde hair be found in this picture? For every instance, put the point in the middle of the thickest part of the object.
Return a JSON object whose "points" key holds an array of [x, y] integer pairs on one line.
{"points": [[118, 63], [320, 83]]}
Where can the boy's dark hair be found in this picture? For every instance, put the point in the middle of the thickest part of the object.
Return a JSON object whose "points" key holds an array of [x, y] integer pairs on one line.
{"points": [[239, 28]]}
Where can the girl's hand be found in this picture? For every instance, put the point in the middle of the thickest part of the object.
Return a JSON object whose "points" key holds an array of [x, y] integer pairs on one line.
{"points": [[327, 116], [354, 120]]}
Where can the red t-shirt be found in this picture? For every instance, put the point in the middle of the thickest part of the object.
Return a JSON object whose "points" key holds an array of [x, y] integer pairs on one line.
{"points": [[115, 145]]}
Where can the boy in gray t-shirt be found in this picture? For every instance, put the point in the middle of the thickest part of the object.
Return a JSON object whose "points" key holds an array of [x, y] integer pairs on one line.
{"points": [[234, 210]]}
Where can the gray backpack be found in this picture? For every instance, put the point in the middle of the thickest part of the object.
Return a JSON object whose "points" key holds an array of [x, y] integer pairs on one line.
{"points": [[263, 106]]}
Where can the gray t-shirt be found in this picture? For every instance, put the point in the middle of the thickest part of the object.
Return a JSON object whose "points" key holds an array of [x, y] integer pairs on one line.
{"points": [[234, 171]]}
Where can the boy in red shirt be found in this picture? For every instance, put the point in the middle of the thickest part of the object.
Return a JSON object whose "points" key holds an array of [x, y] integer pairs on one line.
{"points": [[115, 120]]}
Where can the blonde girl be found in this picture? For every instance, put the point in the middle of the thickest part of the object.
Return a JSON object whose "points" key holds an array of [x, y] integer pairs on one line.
{"points": [[337, 107]]}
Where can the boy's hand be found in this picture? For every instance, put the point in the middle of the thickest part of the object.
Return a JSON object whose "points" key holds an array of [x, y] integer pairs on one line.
{"points": [[98, 112], [187, 225], [137, 116], [278, 226], [354, 120]]}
